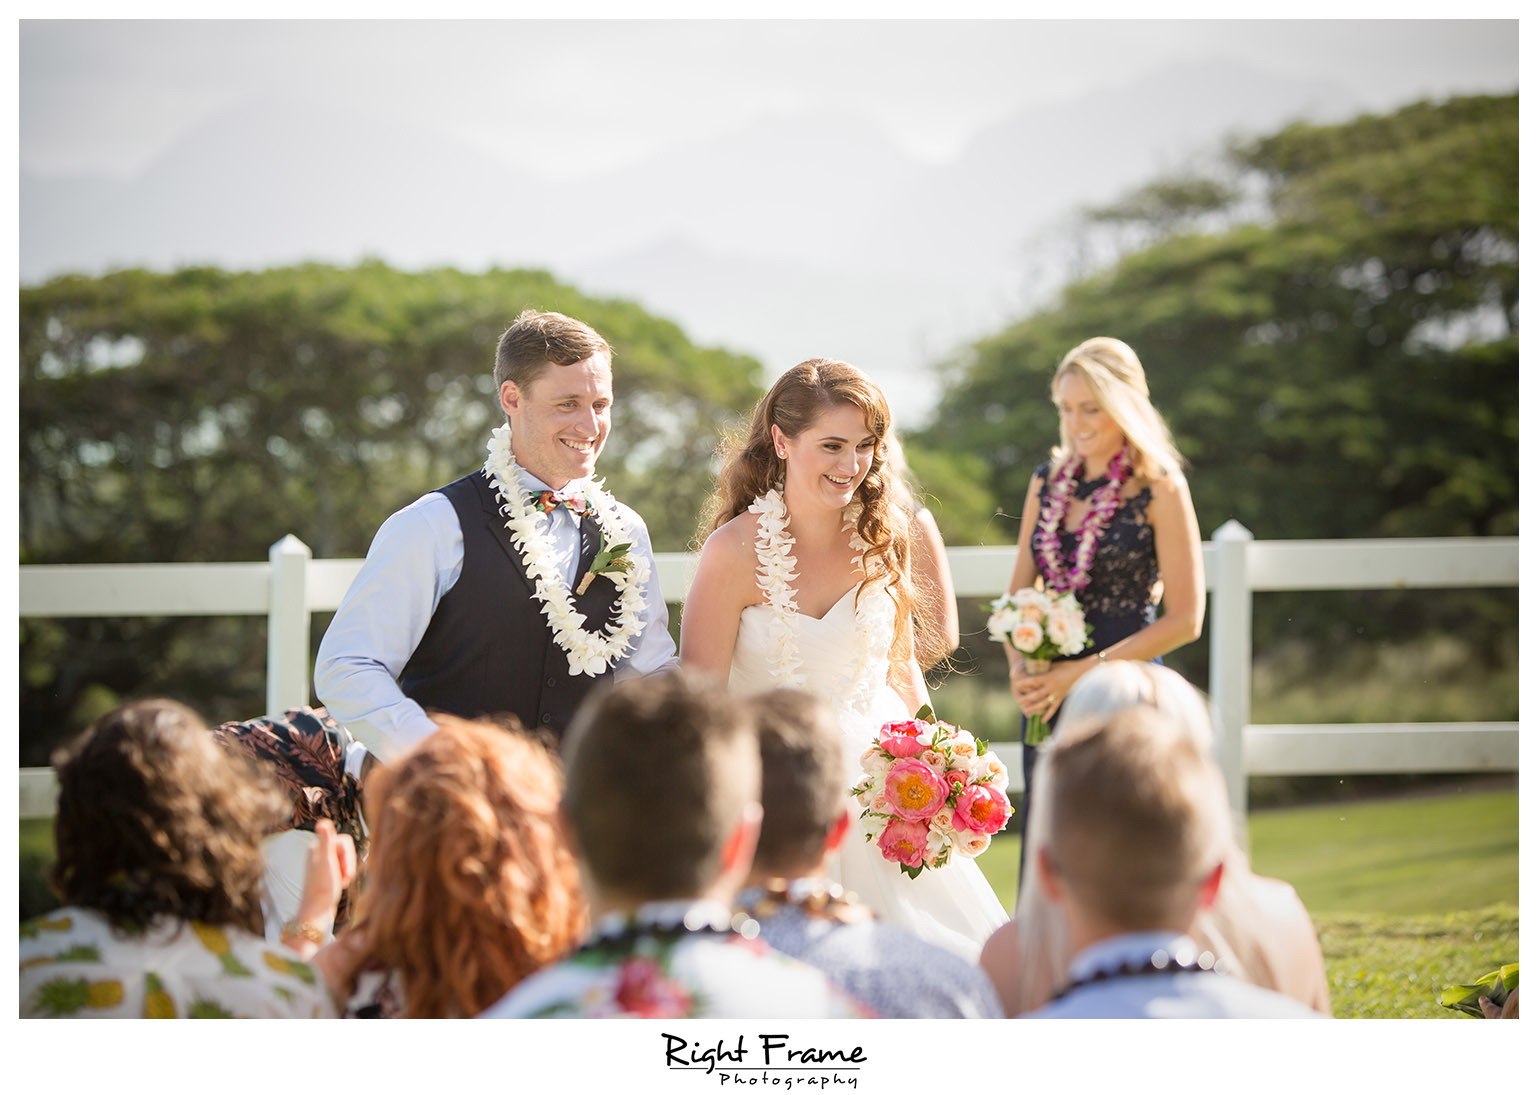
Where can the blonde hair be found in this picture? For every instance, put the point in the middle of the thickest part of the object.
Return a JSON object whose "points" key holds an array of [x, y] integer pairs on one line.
{"points": [[1114, 375], [1123, 683]]}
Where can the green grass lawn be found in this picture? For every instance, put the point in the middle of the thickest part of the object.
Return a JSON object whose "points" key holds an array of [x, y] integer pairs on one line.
{"points": [[1423, 855], [1408, 856], [1392, 967]]}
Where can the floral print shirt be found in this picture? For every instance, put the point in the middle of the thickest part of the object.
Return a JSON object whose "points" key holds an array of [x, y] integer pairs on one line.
{"points": [[650, 966], [76, 965]]}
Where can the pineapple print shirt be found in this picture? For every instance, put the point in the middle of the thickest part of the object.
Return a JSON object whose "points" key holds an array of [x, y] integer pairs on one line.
{"points": [[75, 965]]}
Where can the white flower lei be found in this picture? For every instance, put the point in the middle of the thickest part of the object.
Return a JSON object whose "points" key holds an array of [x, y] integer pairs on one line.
{"points": [[873, 616], [587, 652]]}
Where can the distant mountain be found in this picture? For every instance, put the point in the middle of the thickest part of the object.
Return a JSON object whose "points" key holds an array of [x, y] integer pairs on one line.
{"points": [[886, 324], [789, 237], [794, 188], [1035, 169], [284, 181]]}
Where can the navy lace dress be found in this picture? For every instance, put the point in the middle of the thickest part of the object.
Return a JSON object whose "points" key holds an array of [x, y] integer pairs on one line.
{"points": [[1119, 599]]}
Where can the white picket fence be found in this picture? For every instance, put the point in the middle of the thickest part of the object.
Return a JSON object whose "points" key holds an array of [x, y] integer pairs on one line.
{"points": [[291, 585]]}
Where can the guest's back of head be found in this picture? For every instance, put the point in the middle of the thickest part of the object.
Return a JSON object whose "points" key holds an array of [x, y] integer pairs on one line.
{"points": [[155, 819], [471, 886], [1136, 820], [660, 771], [803, 787]]}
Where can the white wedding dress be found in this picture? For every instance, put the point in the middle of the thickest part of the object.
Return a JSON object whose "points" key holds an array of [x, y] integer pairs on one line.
{"points": [[843, 661]]}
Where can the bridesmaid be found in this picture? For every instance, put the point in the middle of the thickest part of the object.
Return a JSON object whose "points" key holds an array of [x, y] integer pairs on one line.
{"points": [[1108, 517]]}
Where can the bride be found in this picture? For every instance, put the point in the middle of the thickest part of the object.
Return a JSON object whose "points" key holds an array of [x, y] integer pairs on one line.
{"points": [[804, 583]]}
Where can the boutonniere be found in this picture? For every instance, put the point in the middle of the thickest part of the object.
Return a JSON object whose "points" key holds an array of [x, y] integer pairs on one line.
{"points": [[609, 561]]}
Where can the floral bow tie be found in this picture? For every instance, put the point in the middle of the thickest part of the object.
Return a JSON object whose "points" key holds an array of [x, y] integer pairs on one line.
{"points": [[550, 499]]}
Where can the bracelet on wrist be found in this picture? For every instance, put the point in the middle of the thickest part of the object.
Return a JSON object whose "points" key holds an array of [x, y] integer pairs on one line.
{"points": [[304, 929]]}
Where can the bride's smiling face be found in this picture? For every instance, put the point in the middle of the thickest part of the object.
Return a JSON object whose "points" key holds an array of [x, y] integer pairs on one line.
{"points": [[828, 460]]}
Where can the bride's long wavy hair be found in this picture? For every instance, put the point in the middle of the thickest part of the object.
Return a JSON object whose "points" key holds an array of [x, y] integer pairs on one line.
{"points": [[749, 468]]}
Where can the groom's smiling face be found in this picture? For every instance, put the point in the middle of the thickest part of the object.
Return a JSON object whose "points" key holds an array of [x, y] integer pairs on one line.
{"points": [[560, 419]]}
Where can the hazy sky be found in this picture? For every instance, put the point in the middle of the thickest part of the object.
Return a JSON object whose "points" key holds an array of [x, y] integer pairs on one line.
{"points": [[105, 97]]}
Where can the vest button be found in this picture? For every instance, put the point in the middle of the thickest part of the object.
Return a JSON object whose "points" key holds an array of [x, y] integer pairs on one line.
{"points": [[551, 682], [547, 718]]}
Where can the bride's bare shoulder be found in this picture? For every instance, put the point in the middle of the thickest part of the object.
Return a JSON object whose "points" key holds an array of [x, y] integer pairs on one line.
{"points": [[729, 557], [734, 541]]}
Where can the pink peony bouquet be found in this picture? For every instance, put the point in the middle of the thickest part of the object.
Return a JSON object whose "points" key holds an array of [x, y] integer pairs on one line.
{"points": [[930, 789]]}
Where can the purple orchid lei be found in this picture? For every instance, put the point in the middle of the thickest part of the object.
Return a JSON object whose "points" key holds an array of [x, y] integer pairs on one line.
{"points": [[1103, 505]]}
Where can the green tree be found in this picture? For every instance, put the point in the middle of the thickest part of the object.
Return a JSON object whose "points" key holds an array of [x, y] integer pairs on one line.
{"points": [[200, 415]]}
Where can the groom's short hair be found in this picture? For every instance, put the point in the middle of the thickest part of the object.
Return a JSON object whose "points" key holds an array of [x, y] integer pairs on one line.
{"points": [[804, 790], [1135, 819], [659, 772], [539, 338]]}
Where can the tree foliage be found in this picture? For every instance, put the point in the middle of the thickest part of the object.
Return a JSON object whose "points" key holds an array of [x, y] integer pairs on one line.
{"points": [[200, 415], [1330, 330]]}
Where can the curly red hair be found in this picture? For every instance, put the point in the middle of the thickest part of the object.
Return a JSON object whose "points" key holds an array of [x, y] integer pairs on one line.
{"points": [[471, 886]]}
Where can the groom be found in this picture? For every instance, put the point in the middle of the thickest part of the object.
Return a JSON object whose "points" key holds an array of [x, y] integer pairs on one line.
{"points": [[517, 588]]}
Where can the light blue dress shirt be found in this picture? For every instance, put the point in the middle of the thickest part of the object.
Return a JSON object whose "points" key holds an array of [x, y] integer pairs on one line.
{"points": [[415, 558]]}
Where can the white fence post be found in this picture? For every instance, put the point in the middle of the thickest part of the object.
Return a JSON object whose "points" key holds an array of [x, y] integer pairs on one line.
{"points": [[1231, 652], [288, 627]]}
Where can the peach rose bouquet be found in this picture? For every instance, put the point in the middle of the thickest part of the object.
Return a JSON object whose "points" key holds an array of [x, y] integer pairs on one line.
{"points": [[1042, 625], [930, 791]]}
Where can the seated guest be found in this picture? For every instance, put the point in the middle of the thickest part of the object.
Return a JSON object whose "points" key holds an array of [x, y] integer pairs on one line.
{"points": [[662, 785], [1133, 848], [158, 834], [470, 885], [317, 762], [1257, 925], [805, 915]]}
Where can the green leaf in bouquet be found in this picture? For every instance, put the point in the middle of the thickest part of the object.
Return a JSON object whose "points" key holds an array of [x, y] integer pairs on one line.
{"points": [[1464, 998], [925, 714], [1497, 985]]}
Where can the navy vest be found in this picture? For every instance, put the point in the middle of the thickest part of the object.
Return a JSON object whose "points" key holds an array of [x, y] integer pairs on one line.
{"points": [[488, 649]]}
